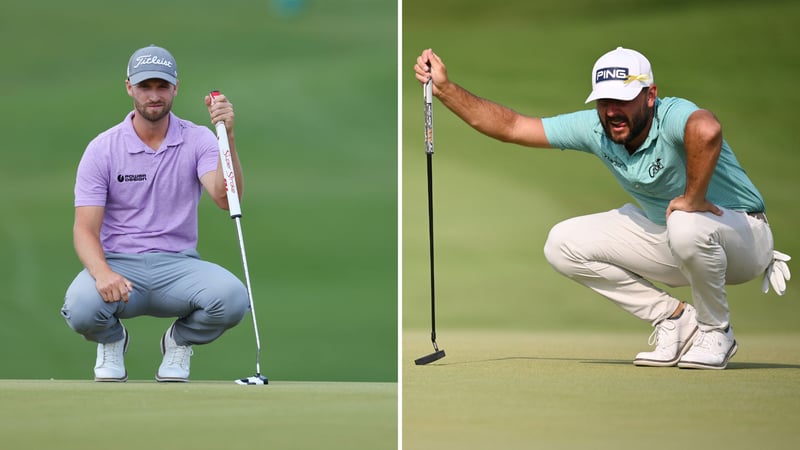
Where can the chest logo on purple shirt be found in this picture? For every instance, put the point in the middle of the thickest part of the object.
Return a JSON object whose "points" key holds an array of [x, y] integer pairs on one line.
{"points": [[138, 177]]}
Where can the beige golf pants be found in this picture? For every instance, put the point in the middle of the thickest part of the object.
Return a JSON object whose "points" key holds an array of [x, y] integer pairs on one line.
{"points": [[620, 253]]}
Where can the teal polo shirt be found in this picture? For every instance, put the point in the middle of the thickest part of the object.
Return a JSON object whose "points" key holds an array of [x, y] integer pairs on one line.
{"points": [[656, 172]]}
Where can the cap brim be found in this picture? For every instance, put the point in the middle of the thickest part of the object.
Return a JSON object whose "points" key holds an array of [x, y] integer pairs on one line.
{"points": [[624, 93], [147, 75]]}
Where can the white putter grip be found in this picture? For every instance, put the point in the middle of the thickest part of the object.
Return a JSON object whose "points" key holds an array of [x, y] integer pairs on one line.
{"points": [[428, 94], [231, 190]]}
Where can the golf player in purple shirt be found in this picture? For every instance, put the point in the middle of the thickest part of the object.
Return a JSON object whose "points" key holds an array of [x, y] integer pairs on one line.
{"points": [[137, 191]]}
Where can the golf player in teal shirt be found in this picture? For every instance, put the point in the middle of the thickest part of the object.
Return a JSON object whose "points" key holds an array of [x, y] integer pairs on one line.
{"points": [[698, 219]]}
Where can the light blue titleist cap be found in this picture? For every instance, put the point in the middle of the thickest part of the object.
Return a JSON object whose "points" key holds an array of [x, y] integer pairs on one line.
{"points": [[152, 62]]}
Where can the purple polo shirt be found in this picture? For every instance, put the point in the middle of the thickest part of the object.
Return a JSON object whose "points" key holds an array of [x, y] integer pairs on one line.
{"points": [[150, 197]]}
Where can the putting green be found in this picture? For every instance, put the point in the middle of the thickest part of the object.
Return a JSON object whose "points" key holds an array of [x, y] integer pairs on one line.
{"points": [[202, 415], [517, 390]]}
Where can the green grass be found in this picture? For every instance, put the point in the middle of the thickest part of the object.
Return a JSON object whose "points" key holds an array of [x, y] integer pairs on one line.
{"points": [[204, 415], [316, 127], [558, 390]]}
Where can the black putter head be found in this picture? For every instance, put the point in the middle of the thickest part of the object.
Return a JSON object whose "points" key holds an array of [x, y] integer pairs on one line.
{"points": [[427, 359], [256, 380]]}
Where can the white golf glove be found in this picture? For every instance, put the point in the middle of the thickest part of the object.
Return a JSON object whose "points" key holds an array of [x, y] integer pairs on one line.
{"points": [[777, 273]]}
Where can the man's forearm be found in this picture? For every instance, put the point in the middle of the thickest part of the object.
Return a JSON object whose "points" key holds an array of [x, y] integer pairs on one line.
{"points": [[490, 118], [90, 252], [703, 142]]}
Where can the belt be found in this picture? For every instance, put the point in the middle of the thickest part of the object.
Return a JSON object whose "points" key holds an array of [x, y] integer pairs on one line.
{"points": [[759, 215]]}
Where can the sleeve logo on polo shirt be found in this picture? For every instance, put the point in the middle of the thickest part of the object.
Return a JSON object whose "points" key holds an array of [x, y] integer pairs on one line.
{"points": [[138, 177]]}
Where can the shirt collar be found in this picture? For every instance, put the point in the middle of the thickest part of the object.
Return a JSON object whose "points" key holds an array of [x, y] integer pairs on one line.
{"points": [[173, 139], [652, 135]]}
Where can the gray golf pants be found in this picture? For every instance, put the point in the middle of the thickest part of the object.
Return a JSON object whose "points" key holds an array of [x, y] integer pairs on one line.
{"points": [[620, 253], [205, 298]]}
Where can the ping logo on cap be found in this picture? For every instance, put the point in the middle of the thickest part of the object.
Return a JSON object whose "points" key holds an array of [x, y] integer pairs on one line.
{"points": [[611, 73]]}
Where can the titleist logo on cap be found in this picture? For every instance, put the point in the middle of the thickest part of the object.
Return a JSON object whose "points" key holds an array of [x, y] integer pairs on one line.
{"points": [[611, 73], [150, 59]]}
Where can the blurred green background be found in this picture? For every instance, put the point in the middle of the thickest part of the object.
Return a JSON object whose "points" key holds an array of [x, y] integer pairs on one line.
{"points": [[496, 202], [314, 86]]}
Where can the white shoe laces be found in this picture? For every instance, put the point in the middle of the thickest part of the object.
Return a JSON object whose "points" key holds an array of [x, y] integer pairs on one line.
{"points": [[112, 353], [179, 355], [701, 342], [660, 331]]}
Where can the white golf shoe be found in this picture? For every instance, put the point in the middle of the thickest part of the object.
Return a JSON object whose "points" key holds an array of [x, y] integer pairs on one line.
{"points": [[110, 364], [672, 338], [175, 365], [711, 350]]}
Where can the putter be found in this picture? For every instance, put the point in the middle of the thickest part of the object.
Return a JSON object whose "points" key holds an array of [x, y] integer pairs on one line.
{"points": [[232, 192], [428, 94]]}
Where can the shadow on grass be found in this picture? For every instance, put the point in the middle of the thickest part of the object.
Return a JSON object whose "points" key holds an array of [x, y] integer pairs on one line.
{"points": [[751, 365], [731, 365], [528, 358]]}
